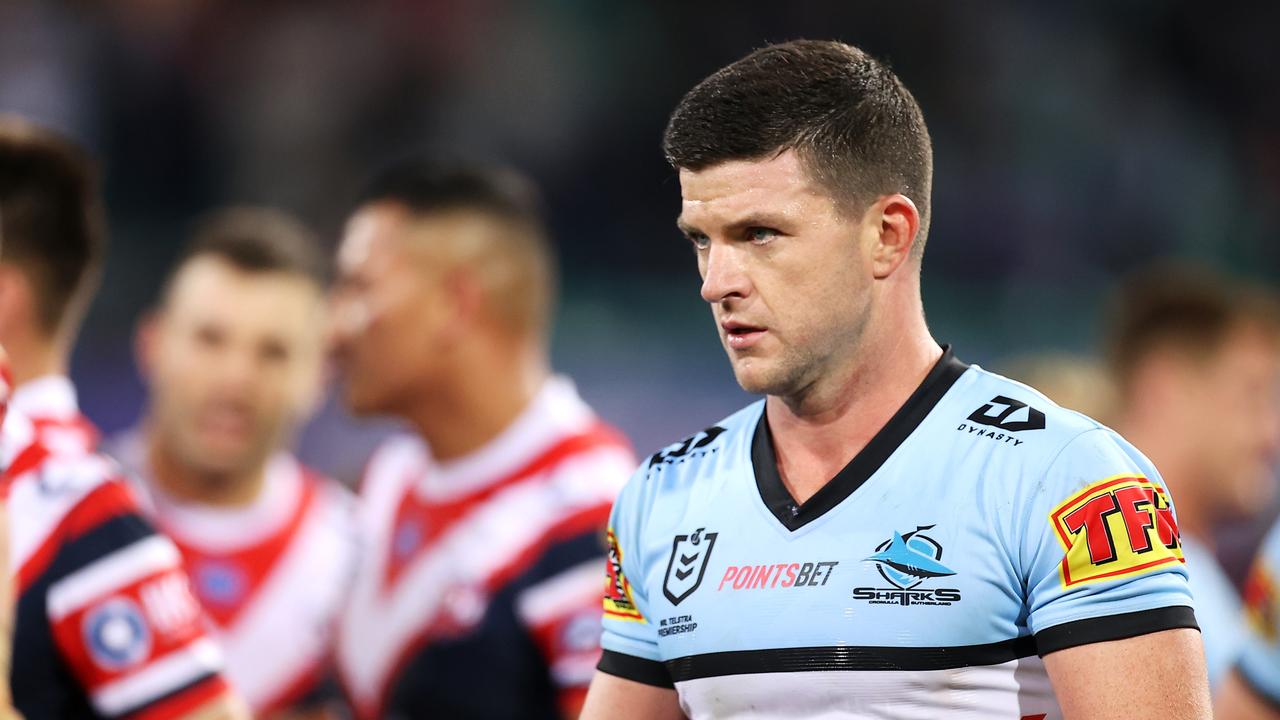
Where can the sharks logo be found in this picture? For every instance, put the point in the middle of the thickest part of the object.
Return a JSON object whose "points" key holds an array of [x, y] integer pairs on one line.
{"points": [[905, 561]]}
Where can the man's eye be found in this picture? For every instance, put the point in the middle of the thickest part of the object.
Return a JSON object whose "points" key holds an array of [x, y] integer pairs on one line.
{"points": [[699, 240], [761, 235]]}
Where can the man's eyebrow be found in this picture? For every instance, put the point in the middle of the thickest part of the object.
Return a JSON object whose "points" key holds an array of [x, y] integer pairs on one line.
{"points": [[750, 221], [685, 227]]}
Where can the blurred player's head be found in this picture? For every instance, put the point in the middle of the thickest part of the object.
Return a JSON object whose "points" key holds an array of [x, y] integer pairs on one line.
{"points": [[52, 241], [233, 355], [1196, 359], [442, 271], [805, 170]]}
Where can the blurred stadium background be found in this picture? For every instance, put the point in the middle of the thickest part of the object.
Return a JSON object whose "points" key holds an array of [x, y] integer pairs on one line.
{"points": [[1074, 142]]}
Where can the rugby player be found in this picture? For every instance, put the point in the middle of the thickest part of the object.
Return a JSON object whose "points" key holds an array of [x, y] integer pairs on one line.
{"points": [[1251, 689], [233, 358], [49, 269], [479, 595], [890, 532], [105, 622], [1196, 359]]}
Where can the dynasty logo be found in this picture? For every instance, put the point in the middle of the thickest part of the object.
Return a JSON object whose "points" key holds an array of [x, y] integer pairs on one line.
{"points": [[906, 562], [1001, 418]]}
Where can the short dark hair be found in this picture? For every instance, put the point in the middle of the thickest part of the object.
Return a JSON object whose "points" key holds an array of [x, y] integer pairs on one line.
{"points": [[51, 219], [855, 126], [427, 186], [256, 240], [1188, 310]]}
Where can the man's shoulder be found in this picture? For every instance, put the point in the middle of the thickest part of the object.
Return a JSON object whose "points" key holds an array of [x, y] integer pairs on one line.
{"points": [[674, 470], [1006, 404]]}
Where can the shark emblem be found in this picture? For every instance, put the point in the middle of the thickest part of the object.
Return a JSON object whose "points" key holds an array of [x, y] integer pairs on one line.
{"points": [[908, 559]]}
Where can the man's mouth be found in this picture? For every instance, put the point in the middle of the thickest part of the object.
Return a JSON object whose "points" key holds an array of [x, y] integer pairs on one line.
{"points": [[740, 335]]}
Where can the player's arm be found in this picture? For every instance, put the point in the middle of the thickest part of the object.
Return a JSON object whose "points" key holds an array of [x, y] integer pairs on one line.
{"points": [[615, 698], [1159, 676], [1106, 583], [122, 616]]}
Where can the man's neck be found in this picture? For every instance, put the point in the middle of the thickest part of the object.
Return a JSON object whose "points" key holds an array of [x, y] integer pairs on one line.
{"points": [[815, 437], [182, 483], [32, 361], [479, 403]]}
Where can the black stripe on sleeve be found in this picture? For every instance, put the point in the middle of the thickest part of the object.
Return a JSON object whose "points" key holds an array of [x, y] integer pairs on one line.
{"points": [[630, 667], [1255, 687], [865, 658], [1114, 627], [114, 534]]}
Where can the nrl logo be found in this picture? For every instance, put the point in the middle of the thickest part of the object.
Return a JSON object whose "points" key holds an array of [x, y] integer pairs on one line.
{"points": [[688, 563]]}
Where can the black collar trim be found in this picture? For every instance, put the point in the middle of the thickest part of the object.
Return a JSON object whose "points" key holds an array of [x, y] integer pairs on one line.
{"points": [[793, 515]]}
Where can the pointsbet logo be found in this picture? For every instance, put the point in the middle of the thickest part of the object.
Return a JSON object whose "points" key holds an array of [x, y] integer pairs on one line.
{"points": [[778, 575], [1117, 527]]}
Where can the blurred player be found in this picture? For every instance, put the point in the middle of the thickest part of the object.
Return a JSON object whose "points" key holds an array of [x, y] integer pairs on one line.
{"points": [[49, 272], [105, 622], [1196, 361], [233, 358], [890, 533], [1251, 691], [479, 595], [7, 711]]}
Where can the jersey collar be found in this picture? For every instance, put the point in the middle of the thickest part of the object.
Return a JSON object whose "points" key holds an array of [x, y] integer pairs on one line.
{"points": [[793, 515]]}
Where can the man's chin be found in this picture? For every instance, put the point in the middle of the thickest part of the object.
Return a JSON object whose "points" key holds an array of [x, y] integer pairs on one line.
{"points": [[755, 379]]}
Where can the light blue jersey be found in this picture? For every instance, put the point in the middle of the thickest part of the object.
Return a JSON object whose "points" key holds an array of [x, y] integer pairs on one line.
{"points": [[981, 527], [1259, 663]]}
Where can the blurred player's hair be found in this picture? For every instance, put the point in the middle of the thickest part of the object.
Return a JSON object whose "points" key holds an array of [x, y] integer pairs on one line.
{"points": [[1187, 310], [856, 128], [51, 221], [520, 262], [255, 240]]}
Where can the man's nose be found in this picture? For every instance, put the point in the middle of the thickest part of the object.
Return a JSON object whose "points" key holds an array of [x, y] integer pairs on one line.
{"points": [[723, 273]]}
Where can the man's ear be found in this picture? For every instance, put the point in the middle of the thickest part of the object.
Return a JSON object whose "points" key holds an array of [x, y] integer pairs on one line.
{"points": [[17, 301], [895, 222]]}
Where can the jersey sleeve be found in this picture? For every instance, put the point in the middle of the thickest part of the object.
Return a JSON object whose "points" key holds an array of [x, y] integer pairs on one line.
{"points": [[1259, 662], [122, 615], [1102, 556], [630, 639]]}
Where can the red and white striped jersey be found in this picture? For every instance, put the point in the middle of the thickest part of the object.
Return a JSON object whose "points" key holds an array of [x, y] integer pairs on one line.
{"points": [[105, 623], [272, 577], [51, 405], [478, 594]]}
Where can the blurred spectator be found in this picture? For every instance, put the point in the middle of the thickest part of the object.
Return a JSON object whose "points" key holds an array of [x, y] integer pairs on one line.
{"points": [[480, 594], [232, 358], [106, 625], [1196, 361]]}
